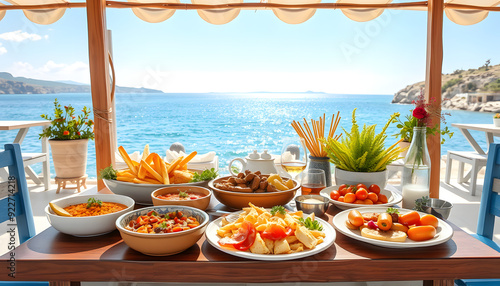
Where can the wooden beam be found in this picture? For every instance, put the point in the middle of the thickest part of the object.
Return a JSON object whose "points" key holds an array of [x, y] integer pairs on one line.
{"points": [[99, 84], [433, 85]]}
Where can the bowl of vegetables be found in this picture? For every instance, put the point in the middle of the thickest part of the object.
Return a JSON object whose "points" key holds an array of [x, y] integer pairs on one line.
{"points": [[141, 192], [162, 230], [191, 196]]}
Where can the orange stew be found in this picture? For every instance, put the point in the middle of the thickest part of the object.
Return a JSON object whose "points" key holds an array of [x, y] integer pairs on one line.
{"points": [[182, 196], [154, 222], [94, 209]]}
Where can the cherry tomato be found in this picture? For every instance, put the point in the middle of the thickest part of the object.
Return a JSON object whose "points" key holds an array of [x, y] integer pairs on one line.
{"points": [[409, 218], [359, 202], [355, 218], [361, 186], [343, 191], [374, 189], [334, 195], [373, 197], [368, 202], [361, 194], [351, 189], [349, 198], [341, 187], [429, 220], [275, 232], [420, 233], [243, 239], [382, 198], [341, 199]]}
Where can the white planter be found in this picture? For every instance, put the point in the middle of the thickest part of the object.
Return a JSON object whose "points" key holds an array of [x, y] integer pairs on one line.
{"points": [[69, 157], [402, 145], [354, 178], [496, 122]]}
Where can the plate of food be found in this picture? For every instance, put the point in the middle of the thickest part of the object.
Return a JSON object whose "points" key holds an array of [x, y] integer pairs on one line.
{"points": [[349, 196], [270, 234], [140, 179], [378, 226]]}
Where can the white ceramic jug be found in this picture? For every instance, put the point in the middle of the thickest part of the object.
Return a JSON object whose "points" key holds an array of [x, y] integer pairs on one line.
{"points": [[256, 162]]}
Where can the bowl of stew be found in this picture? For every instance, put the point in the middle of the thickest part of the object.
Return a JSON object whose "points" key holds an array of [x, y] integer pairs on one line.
{"points": [[191, 196], [89, 219], [162, 230]]}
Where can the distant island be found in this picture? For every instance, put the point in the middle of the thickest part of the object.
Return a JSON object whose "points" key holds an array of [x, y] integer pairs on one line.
{"points": [[472, 89], [21, 85]]}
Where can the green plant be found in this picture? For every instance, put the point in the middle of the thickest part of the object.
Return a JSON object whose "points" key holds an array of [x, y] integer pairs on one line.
{"points": [[67, 126], [406, 128], [450, 83], [493, 86], [361, 151]]}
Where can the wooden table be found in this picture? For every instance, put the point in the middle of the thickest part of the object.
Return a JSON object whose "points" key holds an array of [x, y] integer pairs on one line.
{"points": [[489, 129], [24, 127], [57, 257]]}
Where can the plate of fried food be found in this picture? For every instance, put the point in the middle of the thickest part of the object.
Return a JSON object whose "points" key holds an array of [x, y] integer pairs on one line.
{"points": [[140, 179], [392, 227], [270, 234]]}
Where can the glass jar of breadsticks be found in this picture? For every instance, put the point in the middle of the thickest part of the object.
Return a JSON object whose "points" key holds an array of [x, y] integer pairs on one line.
{"points": [[312, 135]]}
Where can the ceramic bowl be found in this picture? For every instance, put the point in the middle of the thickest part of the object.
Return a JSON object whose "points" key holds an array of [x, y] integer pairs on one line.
{"points": [[162, 244], [437, 207], [238, 200], [201, 203], [319, 206], [354, 178], [141, 193], [91, 225]]}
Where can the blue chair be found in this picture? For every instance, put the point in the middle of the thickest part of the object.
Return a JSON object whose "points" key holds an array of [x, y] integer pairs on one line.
{"points": [[490, 207], [25, 225]]}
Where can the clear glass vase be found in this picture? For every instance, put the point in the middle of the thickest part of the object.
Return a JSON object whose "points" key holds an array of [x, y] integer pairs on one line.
{"points": [[417, 169]]}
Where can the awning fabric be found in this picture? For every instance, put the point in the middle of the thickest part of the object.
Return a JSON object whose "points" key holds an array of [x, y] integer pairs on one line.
{"points": [[287, 15]]}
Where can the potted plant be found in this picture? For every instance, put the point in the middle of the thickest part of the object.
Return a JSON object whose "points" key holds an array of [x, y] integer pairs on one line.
{"points": [[68, 138], [361, 157], [496, 120]]}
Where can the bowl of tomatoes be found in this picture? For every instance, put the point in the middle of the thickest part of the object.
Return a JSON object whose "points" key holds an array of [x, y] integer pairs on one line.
{"points": [[353, 196]]}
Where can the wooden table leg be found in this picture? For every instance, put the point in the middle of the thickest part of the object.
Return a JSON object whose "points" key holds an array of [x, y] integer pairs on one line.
{"points": [[63, 283], [439, 282]]}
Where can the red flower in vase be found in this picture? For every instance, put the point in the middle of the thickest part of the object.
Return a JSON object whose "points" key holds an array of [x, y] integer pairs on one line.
{"points": [[420, 113]]}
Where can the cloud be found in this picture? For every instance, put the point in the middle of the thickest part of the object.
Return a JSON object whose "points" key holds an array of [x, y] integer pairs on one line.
{"points": [[76, 71], [3, 50], [20, 36]]}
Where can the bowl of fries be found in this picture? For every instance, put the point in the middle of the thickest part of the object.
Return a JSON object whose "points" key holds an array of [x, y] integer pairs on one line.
{"points": [[140, 179]]}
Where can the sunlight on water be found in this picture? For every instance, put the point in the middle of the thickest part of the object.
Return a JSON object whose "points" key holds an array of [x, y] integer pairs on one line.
{"points": [[232, 125]]}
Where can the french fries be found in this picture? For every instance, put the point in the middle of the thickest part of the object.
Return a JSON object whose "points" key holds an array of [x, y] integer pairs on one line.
{"points": [[152, 169]]}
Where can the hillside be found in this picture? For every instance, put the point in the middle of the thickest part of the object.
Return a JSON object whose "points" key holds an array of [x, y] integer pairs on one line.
{"points": [[481, 80], [21, 85]]}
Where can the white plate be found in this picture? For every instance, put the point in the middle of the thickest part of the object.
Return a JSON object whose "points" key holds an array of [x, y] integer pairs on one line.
{"points": [[392, 198], [443, 233], [213, 238]]}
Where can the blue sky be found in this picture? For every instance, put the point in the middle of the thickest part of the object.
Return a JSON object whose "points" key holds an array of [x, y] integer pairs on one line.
{"points": [[254, 52]]}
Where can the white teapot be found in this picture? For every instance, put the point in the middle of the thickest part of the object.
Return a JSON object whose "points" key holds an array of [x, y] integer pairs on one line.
{"points": [[256, 162]]}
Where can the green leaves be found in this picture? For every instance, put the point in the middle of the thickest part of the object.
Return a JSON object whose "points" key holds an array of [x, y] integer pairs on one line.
{"points": [[278, 209], [311, 224], [183, 194], [206, 175], [361, 151], [108, 173], [93, 201]]}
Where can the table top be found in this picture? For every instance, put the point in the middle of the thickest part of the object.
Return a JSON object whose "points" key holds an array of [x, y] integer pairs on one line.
{"points": [[52, 255], [11, 125], [479, 127]]}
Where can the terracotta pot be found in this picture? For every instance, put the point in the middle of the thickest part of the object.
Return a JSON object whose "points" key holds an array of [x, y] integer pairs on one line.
{"points": [[354, 178], [404, 144], [69, 157]]}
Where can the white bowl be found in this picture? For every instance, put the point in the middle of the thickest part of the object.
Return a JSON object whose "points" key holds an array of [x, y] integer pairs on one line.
{"points": [[162, 244], [90, 225], [392, 199], [141, 193]]}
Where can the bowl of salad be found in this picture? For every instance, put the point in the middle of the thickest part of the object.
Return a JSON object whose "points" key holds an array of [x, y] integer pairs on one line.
{"points": [[162, 230], [191, 196]]}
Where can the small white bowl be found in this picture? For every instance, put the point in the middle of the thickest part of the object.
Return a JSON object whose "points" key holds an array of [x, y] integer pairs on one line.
{"points": [[90, 225], [162, 244]]}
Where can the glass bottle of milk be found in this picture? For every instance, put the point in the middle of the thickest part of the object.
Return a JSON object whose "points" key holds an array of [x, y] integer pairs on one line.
{"points": [[417, 169]]}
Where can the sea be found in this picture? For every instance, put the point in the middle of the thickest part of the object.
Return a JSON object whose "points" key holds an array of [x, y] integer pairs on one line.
{"points": [[231, 124]]}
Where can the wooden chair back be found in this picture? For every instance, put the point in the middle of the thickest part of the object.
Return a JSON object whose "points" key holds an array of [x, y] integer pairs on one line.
{"points": [[14, 194]]}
